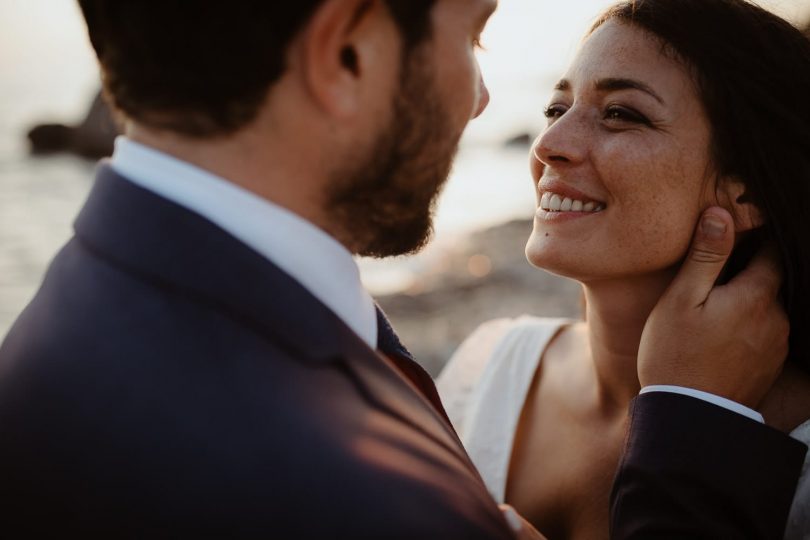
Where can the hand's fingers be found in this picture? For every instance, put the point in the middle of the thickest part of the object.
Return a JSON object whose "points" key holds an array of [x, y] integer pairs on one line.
{"points": [[763, 272], [711, 246]]}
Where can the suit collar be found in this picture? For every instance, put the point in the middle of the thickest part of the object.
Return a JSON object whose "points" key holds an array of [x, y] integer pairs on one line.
{"points": [[162, 242], [297, 247]]}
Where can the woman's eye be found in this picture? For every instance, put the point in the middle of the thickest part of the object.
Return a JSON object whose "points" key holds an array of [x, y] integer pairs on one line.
{"points": [[623, 114], [554, 111]]}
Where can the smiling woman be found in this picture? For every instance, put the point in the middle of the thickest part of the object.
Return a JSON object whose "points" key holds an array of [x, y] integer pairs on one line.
{"points": [[670, 106], [643, 160]]}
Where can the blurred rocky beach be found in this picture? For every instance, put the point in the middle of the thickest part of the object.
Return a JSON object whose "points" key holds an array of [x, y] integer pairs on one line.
{"points": [[483, 277]]}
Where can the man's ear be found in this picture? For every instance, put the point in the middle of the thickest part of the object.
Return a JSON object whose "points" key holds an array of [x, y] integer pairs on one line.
{"points": [[342, 45], [732, 196]]}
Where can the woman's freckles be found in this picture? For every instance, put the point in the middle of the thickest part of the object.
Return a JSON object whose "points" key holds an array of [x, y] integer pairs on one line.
{"points": [[601, 147]]}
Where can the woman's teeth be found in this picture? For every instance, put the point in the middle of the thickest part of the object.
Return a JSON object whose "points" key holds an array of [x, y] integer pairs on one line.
{"points": [[551, 202]]}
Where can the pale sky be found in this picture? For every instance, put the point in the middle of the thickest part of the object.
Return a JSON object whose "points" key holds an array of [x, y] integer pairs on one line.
{"points": [[529, 42], [548, 31]]}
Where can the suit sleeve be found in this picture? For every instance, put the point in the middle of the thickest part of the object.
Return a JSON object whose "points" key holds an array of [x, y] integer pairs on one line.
{"points": [[691, 469]]}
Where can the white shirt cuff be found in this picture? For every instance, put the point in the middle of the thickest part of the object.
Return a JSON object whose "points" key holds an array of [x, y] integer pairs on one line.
{"points": [[705, 396]]}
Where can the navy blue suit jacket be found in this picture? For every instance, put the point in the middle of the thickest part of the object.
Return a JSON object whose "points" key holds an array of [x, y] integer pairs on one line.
{"points": [[168, 380]]}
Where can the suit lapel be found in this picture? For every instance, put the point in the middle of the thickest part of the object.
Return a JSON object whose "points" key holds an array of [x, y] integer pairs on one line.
{"points": [[384, 384], [176, 249]]}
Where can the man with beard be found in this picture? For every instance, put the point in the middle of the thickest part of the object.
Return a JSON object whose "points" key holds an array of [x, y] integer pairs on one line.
{"points": [[202, 359]]}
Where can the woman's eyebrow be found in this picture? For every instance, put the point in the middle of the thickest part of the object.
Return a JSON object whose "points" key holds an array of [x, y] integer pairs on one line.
{"points": [[612, 84], [562, 85]]}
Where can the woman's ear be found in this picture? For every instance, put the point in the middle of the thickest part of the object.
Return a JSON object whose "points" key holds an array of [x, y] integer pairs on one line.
{"points": [[731, 192]]}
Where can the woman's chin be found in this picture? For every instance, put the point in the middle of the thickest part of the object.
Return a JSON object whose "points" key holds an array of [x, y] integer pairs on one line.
{"points": [[552, 261], [590, 268], [574, 261]]}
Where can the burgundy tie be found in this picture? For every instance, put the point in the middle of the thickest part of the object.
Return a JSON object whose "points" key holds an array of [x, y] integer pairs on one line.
{"points": [[389, 344]]}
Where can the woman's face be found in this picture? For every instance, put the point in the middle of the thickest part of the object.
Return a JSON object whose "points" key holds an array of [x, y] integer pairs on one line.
{"points": [[622, 169]]}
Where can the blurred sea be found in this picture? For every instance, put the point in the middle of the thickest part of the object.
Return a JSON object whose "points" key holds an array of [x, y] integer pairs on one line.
{"points": [[48, 73]]}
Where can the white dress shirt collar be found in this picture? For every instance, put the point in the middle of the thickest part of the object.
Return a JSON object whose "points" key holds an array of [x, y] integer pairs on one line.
{"points": [[316, 260]]}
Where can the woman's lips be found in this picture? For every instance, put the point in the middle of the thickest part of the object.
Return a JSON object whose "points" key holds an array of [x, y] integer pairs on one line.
{"points": [[557, 196]]}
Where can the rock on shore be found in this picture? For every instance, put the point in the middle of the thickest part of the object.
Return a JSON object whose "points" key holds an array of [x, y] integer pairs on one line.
{"points": [[485, 278]]}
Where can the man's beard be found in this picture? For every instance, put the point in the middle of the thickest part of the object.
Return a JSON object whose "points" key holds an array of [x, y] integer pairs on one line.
{"points": [[384, 204]]}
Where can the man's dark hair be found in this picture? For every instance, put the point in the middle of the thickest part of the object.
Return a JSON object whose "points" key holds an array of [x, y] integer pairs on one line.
{"points": [[204, 68], [752, 71]]}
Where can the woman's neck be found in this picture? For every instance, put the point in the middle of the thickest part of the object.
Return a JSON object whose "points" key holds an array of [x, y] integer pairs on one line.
{"points": [[616, 311]]}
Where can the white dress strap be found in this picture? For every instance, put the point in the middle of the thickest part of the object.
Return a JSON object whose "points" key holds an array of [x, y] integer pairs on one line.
{"points": [[487, 416]]}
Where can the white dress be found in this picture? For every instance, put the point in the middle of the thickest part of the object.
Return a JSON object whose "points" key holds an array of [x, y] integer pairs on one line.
{"points": [[484, 395]]}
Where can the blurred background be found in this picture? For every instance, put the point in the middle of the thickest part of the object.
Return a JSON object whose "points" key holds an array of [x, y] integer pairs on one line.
{"points": [[474, 269]]}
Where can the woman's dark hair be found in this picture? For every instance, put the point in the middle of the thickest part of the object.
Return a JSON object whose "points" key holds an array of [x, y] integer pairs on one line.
{"points": [[752, 71], [204, 68]]}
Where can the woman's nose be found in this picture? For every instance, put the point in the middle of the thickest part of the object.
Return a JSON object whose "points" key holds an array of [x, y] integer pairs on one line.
{"points": [[564, 141]]}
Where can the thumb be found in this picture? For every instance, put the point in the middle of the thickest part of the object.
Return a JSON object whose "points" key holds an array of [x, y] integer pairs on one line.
{"points": [[711, 246]]}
